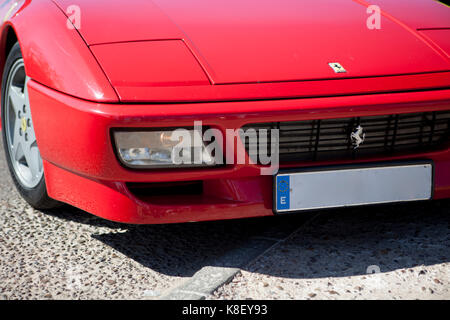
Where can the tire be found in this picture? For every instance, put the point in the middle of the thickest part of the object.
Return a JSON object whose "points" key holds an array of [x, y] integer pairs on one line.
{"points": [[19, 142]]}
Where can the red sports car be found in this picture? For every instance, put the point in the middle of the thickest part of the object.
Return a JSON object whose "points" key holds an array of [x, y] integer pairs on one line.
{"points": [[160, 111]]}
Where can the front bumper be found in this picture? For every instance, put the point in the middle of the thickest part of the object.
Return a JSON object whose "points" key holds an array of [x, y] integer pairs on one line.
{"points": [[81, 167]]}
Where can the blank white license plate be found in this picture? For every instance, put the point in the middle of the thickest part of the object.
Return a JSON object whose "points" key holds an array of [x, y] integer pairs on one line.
{"points": [[331, 188]]}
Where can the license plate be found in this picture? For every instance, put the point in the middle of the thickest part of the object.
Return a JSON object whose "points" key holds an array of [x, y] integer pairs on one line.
{"points": [[340, 187]]}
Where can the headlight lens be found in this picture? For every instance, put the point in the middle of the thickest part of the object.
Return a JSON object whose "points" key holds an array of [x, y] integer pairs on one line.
{"points": [[163, 149]]}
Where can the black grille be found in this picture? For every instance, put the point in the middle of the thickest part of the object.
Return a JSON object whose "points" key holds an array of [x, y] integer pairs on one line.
{"points": [[321, 140]]}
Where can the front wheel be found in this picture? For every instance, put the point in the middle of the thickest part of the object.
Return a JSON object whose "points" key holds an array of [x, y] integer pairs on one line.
{"points": [[19, 139]]}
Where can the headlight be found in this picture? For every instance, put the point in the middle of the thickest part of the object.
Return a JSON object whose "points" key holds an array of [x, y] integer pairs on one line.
{"points": [[163, 149]]}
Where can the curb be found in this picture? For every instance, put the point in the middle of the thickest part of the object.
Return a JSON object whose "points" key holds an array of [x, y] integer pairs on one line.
{"points": [[210, 278], [202, 284]]}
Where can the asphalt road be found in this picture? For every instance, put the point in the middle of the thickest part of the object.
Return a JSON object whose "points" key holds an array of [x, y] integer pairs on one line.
{"points": [[67, 253]]}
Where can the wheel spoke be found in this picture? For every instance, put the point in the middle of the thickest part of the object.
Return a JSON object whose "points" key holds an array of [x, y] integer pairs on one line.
{"points": [[16, 138], [18, 152], [32, 156], [17, 98], [30, 137], [25, 89]]}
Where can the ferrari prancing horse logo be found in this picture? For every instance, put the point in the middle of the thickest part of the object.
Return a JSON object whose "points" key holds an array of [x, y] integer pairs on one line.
{"points": [[24, 124], [337, 67], [358, 136]]}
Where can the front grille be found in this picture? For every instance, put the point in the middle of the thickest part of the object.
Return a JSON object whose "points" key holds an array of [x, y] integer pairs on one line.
{"points": [[329, 139]]}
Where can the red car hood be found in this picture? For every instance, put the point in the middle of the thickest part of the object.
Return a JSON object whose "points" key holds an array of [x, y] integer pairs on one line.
{"points": [[238, 41]]}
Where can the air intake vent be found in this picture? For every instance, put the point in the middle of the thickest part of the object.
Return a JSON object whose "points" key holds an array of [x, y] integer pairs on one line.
{"points": [[330, 139]]}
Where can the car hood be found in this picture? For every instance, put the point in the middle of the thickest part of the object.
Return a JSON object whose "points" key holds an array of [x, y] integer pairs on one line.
{"points": [[260, 41]]}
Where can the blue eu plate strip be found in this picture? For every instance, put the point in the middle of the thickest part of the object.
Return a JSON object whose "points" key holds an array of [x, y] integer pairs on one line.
{"points": [[283, 192]]}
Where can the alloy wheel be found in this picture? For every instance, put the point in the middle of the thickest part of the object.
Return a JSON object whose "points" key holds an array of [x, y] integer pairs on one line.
{"points": [[20, 134]]}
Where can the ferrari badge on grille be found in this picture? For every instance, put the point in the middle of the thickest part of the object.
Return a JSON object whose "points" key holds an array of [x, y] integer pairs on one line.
{"points": [[358, 136]]}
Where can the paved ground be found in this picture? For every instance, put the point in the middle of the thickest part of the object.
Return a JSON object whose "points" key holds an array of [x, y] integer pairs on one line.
{"points": [[408, 244], [68, 253]]}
